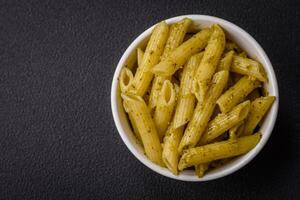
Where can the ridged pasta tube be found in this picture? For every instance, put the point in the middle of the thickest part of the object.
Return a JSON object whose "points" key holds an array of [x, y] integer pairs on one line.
{"points": [[170, 154], [145, 125], [154, 50], [186, 100], [218, 150], [225, 121], [164, 109], [210, 60], [247, 66], [259, 108], [237, 93]]}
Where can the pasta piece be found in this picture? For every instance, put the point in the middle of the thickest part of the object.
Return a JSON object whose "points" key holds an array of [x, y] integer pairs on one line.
{"points": [[203, 112], [181, 54], [218, 150], [210, 60], [246, 66], [140, 55], [225, 62], [225, 121], [156, 88], [186, 100], [154, 50], [164, 109], [176, 36], [170, 154], [259, 108], [133, 122], [145, 126], [184, 110], [201, 169], [237, 93], [125, 80]]}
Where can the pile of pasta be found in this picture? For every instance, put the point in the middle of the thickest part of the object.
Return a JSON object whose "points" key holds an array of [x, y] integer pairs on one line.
{"points": [[195, 99]]}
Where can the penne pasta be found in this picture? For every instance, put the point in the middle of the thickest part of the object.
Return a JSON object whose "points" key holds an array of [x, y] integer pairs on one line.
{"points": [[184, 110], [164, 109], [133, 122], [158, 82], [246, 66], [210, 60], [186, 99], [154, 50], [218, 150], [125, 80], [136, 106], [203, 112], [237, 93], [181, 54], [170, 154], [259, 108], [176, 36], [225, 121]]}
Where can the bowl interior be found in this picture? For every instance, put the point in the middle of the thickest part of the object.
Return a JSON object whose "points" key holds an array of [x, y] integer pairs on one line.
{"points": [[253, 49]]}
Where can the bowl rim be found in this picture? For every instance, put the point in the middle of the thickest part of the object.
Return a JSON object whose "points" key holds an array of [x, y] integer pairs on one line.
{"points": [[247, 157]]}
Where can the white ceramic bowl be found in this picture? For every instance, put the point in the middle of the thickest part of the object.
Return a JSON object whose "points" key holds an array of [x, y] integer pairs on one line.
{"points": [[254, 50]]}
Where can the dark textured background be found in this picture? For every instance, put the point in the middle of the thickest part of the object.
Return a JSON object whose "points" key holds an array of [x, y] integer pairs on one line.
{"points": [[57, 135]]}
